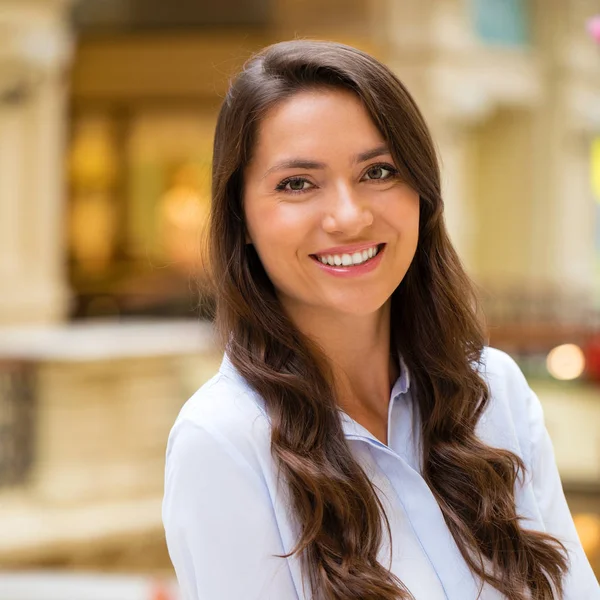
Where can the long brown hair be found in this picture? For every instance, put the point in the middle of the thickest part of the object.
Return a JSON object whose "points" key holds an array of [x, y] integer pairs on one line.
{"points": [[435, 328]]}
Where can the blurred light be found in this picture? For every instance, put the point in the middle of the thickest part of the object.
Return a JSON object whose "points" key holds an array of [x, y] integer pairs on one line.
{"points": [[593, 27], [184, 208], [566, 362], [92, 160], [588, 529], [160, 591], [182, 212], [93, 231]]}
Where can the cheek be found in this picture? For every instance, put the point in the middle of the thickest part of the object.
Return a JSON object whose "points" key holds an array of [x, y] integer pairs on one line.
{"points": [[278, 230], [401, 214], [412, 219], [274, 221]]}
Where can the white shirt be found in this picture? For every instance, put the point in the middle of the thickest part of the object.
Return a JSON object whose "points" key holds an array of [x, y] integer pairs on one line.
{"points": [[226, 517]]}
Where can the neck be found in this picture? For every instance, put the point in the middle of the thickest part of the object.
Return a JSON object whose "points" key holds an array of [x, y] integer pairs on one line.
{"points": [[358, 350]]}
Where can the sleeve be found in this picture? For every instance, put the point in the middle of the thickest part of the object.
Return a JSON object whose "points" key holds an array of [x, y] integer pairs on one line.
{"points": [[219, 521], [580, 581]]}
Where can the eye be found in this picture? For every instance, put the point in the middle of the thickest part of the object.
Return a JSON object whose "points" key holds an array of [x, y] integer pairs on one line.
{"points": [[294, 185], [380, 172]]}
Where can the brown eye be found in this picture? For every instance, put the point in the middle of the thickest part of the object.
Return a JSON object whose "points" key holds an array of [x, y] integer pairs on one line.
{"points": [[380, 173], [296, 185], [376, 173]]}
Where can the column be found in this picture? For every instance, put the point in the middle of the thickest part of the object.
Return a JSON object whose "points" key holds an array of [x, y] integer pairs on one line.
{"points": [[577, 122], [34, 55]]}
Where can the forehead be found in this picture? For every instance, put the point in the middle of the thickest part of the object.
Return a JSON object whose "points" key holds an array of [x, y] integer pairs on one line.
{"points": [[316, 121]]}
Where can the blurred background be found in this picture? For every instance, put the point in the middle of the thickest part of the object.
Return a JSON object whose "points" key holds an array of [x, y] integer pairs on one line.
{"points": [[107, 110]]}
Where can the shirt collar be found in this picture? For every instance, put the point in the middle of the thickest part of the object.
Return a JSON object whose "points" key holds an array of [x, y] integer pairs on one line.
{"points": [[403, 382], [227, 368], [354, 430]]}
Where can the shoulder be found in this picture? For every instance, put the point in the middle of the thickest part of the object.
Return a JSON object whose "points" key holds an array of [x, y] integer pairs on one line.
{"points": [[225, 416], [504, 378], [507, 419], [501, 372]]}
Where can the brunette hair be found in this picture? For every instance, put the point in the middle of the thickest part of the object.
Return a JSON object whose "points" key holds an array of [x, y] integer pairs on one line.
{"points": [[435, 328]]}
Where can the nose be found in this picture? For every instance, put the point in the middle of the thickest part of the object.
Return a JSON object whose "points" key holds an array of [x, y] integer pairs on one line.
{"points": [[346, 212]]}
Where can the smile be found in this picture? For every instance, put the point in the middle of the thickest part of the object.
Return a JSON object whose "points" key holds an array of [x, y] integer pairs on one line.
{"points": [[349, 260]]}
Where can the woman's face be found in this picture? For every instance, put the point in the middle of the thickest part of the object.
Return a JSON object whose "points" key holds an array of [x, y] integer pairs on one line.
{"points": [[321, 188]]}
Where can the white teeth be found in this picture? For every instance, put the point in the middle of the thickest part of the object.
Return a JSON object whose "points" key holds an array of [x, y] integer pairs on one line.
{"points": [[347, 260]]}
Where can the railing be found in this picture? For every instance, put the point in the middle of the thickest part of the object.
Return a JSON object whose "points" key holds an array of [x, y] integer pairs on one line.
{"points": [[17, 420], [536, 321]]}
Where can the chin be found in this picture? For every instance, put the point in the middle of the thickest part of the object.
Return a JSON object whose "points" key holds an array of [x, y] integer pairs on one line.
{"points": [[358, 307]]}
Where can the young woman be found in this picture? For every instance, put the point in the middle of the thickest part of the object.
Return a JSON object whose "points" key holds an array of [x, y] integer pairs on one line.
{"points": [[359, 442]]}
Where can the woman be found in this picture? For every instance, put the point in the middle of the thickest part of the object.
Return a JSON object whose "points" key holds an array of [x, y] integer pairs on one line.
{"points": [[359, 441]]}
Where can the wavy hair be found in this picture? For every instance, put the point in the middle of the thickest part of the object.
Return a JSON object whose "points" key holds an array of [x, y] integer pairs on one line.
{"points": [[436, 328]]}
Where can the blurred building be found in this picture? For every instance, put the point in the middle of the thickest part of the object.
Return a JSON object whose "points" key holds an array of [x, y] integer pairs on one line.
{"points": [[107, 109]]}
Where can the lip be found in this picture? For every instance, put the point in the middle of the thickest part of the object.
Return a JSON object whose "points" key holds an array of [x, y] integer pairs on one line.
{"points": [[352, 271], [350, 249]]}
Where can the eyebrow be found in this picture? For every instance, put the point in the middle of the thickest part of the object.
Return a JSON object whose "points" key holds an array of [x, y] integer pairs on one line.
{"points": [[302, 163], [373, 153]]}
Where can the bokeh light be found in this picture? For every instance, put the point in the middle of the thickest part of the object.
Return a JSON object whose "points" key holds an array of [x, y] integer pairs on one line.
{"points": [[566, 362]]}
